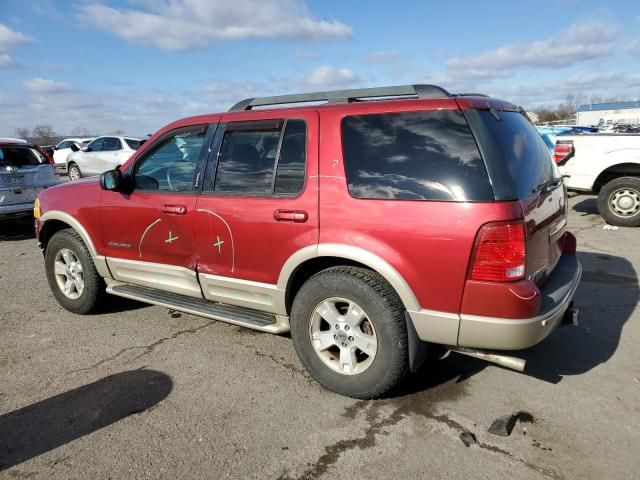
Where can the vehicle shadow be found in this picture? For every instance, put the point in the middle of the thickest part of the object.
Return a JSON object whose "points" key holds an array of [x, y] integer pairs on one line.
{"points": [[55, 421], [588, 206], [17, 229], [606, 299]]}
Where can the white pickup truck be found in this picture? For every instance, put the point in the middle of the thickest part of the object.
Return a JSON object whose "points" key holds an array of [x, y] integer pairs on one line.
{"points": [[606, 164]]}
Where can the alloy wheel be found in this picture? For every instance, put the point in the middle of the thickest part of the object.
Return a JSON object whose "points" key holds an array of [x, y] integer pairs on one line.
{"points": [[68, 273], [343, 336]]}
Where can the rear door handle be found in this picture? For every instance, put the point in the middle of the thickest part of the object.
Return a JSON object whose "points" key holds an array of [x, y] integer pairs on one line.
{"points": [[174, 209], [297, 216]]}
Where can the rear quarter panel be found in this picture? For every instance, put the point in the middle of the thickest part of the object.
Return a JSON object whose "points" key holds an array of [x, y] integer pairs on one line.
{"points": [[428, 242]]}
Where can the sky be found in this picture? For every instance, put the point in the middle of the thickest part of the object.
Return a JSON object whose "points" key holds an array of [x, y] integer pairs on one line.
{"points": [[136, 65]]}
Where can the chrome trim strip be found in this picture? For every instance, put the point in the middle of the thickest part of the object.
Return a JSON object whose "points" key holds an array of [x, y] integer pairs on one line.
{"points": [[156, 275], [243, 293]]}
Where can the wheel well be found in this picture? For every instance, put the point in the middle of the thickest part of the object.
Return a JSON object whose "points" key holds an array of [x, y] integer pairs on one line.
{"points": [[616, 171], [47, 231], [310, 268]]}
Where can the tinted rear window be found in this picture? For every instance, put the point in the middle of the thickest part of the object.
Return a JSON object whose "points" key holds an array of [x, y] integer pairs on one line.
{"points": [[521, 149], [427, 155], [19, 157], [133, 144]]}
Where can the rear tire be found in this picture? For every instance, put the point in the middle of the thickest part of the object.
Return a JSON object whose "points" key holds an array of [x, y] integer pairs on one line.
{"points": [[72, 276], [74, 172], [340, 310], [619, 202]]}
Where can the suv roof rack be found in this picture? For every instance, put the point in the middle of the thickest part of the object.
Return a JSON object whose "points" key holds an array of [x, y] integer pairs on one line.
{"points": [[344, 96]]}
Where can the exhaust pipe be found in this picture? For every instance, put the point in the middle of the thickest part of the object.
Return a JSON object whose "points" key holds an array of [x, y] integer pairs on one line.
{"points": [[513, 363]]}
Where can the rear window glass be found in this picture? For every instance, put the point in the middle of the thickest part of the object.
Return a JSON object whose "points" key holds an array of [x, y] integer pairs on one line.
{"points": [[19, 157], [133, 144], [522, 150], [426, 155]]}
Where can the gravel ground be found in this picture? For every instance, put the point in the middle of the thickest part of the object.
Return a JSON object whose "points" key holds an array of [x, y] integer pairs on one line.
{"points": [[142, 392]]}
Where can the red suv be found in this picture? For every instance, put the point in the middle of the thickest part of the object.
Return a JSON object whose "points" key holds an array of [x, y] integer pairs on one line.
{"points": [[372, 226]]}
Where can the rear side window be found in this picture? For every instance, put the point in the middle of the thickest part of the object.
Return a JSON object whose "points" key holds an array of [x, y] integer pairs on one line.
{"points": [[111, 144], [521, 149], [17, 157], [133, 144], [426, 155], [263, 158]]}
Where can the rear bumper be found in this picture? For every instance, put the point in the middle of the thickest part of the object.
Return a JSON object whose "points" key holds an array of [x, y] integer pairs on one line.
{"points": [[514, 334]]}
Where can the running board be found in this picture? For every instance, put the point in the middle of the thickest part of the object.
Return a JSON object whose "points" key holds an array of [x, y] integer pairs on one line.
{"points": [[245, 317]]}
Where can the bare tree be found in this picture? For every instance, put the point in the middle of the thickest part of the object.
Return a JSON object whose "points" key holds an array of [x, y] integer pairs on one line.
{"points": [[117, 131], [81, 132], [44, 132], [23, 133]]}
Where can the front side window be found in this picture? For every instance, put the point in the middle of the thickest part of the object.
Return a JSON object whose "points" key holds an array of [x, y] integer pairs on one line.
{"points": [[262, 158], [171, 165], [423, 155], [97, 145]]}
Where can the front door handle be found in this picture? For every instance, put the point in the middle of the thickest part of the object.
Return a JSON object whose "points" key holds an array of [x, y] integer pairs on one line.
{"points": [[297, 216], [174, 209]]}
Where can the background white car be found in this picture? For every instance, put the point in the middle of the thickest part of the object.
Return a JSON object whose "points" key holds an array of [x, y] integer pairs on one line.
{"points": [[62, 150], [102, 154]]}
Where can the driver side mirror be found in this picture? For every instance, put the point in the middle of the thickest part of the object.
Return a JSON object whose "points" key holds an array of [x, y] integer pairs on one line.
{"points": [[112, 180]]}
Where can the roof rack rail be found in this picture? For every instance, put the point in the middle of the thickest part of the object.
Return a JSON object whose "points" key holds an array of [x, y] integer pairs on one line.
{"points": [[344, 96]]}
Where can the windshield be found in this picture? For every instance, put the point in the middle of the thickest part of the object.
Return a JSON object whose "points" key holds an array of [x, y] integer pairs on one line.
{"points": [[17, 157]]}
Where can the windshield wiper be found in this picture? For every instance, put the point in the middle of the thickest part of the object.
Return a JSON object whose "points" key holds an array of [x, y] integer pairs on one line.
{"points": [[548, 185]]}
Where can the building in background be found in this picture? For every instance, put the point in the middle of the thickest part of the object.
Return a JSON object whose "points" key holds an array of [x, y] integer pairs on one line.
{"points": [[609, 113]]}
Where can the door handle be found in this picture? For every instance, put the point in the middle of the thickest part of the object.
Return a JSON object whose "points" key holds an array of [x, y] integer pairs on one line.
{"points": [[174, 209], [297, 216]]}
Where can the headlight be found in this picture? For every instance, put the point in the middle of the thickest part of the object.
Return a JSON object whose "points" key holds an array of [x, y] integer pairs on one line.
{"points": [[36, 208]]}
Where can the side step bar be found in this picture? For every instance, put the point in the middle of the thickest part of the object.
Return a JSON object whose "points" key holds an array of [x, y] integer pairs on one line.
{"points": [[245, 317]]}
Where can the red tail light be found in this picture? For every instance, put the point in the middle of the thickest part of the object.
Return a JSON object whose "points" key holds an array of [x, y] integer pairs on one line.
{"points": [[562, 152], [500, 253]]}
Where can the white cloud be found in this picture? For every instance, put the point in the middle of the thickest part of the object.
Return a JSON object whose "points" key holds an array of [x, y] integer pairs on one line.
{"points": [[580, 42], [45, 85], [6, 60], [184, 24], [327, 76], [8, 40]]}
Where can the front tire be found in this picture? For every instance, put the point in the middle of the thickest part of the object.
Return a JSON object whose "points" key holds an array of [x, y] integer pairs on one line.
{"points": [[74, 172], [619, 202], [349, 331], [72, 276]]}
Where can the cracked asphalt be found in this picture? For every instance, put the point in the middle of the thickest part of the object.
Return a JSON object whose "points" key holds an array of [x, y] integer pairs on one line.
{"points": [[143, 392]]}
